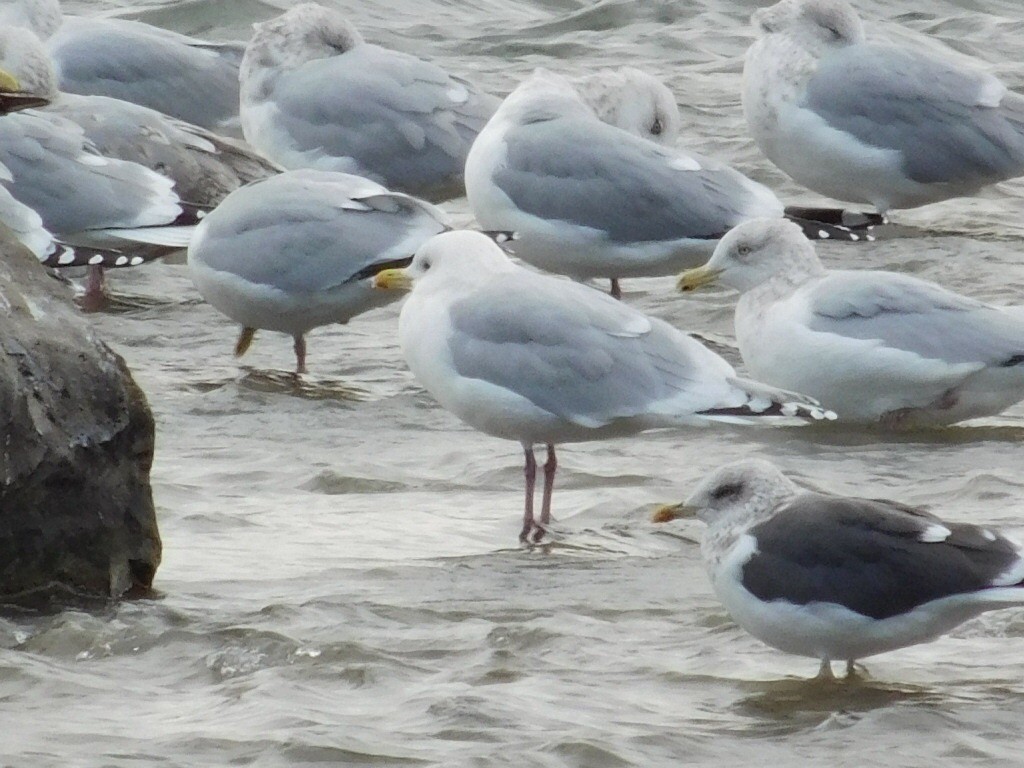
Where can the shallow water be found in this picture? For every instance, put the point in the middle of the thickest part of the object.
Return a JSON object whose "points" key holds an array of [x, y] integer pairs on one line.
{"points": [[341, 581]]}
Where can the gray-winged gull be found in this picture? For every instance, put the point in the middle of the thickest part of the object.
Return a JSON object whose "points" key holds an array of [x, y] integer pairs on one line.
{"points": [[543, 360], [871, 345], [889, 126], [586, 199], [840, 578], [296, 251]]}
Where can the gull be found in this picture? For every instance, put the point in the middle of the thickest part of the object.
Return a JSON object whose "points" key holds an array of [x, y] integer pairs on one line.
{"points": [[540, 359], [869, 123], [874, 346], [585, 199], [298, 250], [314, 94], [192, 80], [840, 578]]}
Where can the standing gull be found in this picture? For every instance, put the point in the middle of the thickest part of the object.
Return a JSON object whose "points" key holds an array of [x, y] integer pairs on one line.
{"points": [[888, 126], [542, 360], [873, 346], [314, 94], [296, 251], [839, 578], [588, 200]]}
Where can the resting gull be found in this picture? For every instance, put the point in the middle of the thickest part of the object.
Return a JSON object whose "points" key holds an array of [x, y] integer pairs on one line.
{"points": [[386, 115], [543, 360], [296, 251], [586, 199], [869, 123], [840, 578], [871, 345]]}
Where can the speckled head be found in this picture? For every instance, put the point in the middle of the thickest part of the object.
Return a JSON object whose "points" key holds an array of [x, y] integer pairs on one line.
{"points": [[23, 56], [818, 24], [741, 493], [759, 250], [304, 33], [41, 16], [634, 101]]}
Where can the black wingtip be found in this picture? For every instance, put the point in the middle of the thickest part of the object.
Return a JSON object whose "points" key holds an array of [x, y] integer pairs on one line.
{"points": [[839, 217], [191, 214], [817, 230], [501, 236], [65, 255]]}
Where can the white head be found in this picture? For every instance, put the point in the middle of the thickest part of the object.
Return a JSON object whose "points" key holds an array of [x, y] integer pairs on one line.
{"points": [[741, 494], [818, 25], [544, 95], [304, 33], [43, 17], [457, 260], [755, 252], [23, 56], [634, 101]]}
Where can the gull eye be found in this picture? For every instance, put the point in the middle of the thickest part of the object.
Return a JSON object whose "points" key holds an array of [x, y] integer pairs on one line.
{"points": [[726, 491], [836, 34], [425, 264], [743, 250], [657, 128]]}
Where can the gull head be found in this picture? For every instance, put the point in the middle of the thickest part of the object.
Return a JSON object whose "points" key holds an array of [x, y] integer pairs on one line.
{"points": [[458, 260], [753, 253], [304, 33], [634, 101], [818, 25], [543, 96], [741, 493], [25, 67]]}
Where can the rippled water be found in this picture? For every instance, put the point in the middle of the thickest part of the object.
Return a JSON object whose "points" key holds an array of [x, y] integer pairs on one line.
{"points": [[340, 579]]}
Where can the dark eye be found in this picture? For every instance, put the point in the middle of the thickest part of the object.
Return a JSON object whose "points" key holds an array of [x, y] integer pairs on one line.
{"points": [[726, 491], [743, 250], [425, 264], [836, 34], [656, 129]]}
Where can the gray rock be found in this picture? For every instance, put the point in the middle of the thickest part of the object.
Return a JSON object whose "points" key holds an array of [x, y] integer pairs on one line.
{"points": [[76, 446]]}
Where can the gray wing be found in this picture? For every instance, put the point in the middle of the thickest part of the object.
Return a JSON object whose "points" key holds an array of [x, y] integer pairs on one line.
{"points": [[170, 73], [309, 231], [570, 350], [875, 557], [906, 313], [950, 124], [579, 170], [204, 167], [55, 171], [403, 119]]}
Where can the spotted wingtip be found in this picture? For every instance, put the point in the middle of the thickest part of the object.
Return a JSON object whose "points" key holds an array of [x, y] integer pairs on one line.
{"points": [[64, 255], [502, 236]]}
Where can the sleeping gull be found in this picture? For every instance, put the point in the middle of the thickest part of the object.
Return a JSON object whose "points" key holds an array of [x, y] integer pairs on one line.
{"points": [[543, 360], [839, 578], [203, 166], [888, 126], [586, 199], [193, 80], [296, 251], [386, 115], [871, 345], [634, 101]]}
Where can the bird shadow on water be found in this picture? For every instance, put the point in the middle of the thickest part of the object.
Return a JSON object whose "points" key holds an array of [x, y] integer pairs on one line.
{"points": [[792, 704], [303, 386]]}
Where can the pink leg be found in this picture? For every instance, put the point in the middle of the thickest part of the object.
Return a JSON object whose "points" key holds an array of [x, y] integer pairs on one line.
{"points": [[616, 290], [531, 480], [549, 486], [300, 354], [95, 291]]}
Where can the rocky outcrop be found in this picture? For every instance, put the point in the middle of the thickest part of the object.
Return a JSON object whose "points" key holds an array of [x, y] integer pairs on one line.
{"points": [[76, 445]]}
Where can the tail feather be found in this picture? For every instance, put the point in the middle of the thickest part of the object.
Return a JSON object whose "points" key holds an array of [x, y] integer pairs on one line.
{"points": [[763, 400]]}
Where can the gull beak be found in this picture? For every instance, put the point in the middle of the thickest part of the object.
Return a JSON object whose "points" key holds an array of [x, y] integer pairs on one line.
{"points": [[670, 512], [692, 279], [392, 280], [12, 98]]}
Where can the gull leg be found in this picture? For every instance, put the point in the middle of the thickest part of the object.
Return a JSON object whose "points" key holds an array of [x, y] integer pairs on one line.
{"points": [[550, 466], [616, 291], [300, 354], [95, 288], [530, 470], [244, 340], [825, 671]]}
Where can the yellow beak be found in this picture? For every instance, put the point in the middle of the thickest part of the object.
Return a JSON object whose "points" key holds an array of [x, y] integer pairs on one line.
{"points": [[392, 280], [8, 82], [692, 279], [670, 512]]}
